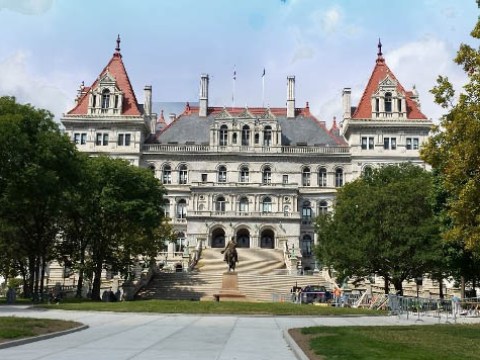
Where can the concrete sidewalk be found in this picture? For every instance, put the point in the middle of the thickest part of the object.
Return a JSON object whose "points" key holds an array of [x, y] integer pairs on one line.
{"points": [[145, 336]]}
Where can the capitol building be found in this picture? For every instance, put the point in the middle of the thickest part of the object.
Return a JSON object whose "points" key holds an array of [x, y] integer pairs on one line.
{"points": [[259, 174]]}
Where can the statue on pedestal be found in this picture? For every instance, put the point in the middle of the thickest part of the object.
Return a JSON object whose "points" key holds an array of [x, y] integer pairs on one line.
{"points": [[230, 254]]}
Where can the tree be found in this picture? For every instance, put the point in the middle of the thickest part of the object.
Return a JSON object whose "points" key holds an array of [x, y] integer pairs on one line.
{"points": [[115, 215], [454, 149], [382, 224], [37, 166]]}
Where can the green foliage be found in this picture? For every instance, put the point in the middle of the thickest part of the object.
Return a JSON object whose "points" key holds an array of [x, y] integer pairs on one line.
{"points": [[382, 224], [454, 148], [393, 342]]}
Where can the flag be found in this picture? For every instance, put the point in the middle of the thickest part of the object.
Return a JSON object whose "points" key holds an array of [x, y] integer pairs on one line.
{"points": [[263, 72], [234, 74]]}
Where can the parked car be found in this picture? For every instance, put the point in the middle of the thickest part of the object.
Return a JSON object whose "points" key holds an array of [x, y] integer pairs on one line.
{"points": [[315, 293]]}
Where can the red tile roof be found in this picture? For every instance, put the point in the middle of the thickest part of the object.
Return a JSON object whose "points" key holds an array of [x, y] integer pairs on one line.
{"points": [[380, 72], [116, 68]]}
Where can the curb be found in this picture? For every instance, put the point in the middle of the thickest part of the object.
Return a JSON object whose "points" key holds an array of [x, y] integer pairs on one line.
{"points": [[29, 340], [293, 345]]}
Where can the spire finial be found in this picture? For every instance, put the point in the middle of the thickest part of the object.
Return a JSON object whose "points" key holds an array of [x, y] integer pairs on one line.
{"points": [[379, 48], [117, 49]]}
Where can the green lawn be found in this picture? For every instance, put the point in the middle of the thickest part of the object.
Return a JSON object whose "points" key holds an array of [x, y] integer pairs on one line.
{"points": [[439, 342], [12, 328], [211, 307]]}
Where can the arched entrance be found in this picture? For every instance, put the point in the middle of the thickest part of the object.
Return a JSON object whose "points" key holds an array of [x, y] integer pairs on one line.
{"points": [[267, 239], [218, 238], [243, 238]]}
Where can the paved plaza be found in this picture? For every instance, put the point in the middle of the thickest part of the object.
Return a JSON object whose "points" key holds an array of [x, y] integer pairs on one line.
{"points": [[122, 336]]}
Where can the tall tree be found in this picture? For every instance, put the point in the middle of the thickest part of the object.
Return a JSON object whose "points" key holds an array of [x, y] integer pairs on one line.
{"points": [[37, 165], [117, 211], [382, 224]]}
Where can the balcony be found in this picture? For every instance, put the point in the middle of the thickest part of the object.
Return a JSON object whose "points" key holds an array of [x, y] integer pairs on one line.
{"points": [[243, 214]]}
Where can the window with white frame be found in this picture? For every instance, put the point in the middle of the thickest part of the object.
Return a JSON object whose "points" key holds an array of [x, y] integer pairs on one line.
{"points": [[412, 143], [368, 143], [83, 138], [124, 139], [306, 210], [306, 176], [167, 174], [222, 174], [267, 205], [105, 100], [322, 177], [244, 174], [102, 139], [220, 204], [223, 135], [389, 143], [266, 175], [285, 179], [388, 102], [322, 207], [182, 174], [339, 177], [243, 205], [267, 136], [245, 135], [182, 209]]}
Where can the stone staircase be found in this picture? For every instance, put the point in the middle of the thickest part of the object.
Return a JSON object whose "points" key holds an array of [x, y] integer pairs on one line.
{"points": [[258, 272]]}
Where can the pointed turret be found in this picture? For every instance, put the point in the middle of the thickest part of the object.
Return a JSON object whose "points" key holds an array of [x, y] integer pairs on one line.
{"points": [[111, 94], [384, 97]]}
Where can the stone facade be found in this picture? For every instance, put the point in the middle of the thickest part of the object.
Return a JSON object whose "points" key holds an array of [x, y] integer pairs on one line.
{"points": [[258, 174]]}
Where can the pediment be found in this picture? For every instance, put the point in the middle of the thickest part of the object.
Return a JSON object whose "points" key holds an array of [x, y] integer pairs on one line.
{"points": [[388, 82], [268, 115], [246, 114], [224, 114], [107, 78]]}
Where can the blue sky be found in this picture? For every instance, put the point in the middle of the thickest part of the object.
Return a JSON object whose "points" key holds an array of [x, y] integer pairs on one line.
{"points": [[48, 47]]}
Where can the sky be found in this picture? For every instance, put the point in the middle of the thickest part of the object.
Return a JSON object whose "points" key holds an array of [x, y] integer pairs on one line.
{"points": [[48, 47]]}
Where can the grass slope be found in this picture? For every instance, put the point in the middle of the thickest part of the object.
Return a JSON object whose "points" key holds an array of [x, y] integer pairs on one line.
{"points": [[12, 328]]}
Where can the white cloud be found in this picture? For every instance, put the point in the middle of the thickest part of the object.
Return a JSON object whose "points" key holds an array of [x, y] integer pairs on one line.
{"points": [[419, 63], [47, 92], [27, 7], [327, 21]]}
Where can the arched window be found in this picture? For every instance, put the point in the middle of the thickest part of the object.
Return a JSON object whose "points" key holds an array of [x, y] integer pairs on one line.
{"points": [[322, 177], [245, 135], [167, 174], [307, 245], [244, 174], [222, 141], [220, 204], [222, 174], [306, 176], [182, 209], [243, 205], [323, 207], [166, 208], [105, 99], [388, 102], [267, 136], [339, 177], [267, 175], [306, 210], [183, 174], [367, 171], [267, 205]]}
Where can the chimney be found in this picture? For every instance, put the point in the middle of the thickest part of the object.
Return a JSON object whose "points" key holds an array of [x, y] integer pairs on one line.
{"points": [[290, 97], [147, 107], [347, 103], [203, 96]]}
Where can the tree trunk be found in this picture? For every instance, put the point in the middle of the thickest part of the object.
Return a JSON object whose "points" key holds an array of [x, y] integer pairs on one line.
{"points": [[386, 285], [31, 275], [440, 288], [42, 277], [397, 283], [81, 272], [97, 281], [462, 287]]}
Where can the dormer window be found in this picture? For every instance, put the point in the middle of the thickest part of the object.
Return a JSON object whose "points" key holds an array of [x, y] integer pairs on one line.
{"points": [[223, 135], [388, 102], [105, 99]]}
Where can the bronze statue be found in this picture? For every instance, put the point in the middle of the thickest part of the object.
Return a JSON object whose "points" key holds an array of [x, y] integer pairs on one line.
{"points": [[230, 254]]}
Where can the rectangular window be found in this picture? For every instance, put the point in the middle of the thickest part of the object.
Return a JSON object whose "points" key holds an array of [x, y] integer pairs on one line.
{"points": [[409, 143], [368, 143], [124, 139], [83, 140], [99, 140], [415, 143], [120, 139], [389, 143], [105, 139], [285, 179], [76, 138], [204, 177]]}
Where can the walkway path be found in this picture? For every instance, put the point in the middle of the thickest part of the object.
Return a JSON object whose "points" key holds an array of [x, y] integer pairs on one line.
{"points": [[122, 336]]}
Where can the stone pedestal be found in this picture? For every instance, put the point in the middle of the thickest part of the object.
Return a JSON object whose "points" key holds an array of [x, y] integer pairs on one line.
{"points": [[229, 290]]}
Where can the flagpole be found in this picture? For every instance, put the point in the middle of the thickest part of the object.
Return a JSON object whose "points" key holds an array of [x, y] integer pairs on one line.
{"points": [[263, 88], [233, 86]]}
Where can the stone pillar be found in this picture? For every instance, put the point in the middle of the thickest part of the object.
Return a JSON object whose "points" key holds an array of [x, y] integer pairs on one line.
{"points": [[290, 97]]}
